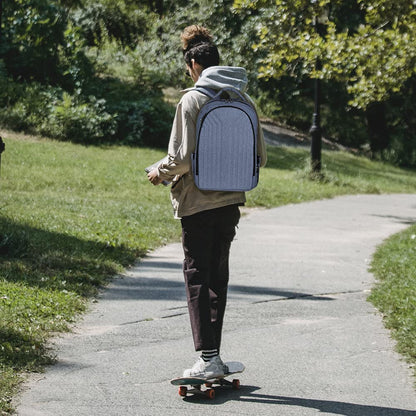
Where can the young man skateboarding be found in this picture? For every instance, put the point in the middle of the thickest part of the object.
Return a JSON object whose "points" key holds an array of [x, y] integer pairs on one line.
{"points": [[208, 218]]}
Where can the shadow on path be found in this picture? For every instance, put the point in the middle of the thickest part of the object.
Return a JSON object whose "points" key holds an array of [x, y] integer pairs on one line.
{"points": [[248, 394], [151, 288], [400, 220]]}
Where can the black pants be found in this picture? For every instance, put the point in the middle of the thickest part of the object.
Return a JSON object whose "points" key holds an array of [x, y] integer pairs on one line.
{"points": [[206, 239]]}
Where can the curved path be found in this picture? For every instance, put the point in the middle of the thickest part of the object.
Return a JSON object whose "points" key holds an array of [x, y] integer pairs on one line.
{"points": [[297, 317]]}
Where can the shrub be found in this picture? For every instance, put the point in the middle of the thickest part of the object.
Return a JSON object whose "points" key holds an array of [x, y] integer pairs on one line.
{"points": [[107, 117], [26, 105], [143, 118], [74, 119]]}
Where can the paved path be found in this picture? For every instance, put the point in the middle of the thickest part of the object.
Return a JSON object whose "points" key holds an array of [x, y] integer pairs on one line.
{"points": [[297, 317]]}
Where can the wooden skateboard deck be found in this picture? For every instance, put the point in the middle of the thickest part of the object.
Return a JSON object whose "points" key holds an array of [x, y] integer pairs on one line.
{"points": [[196, 384]]}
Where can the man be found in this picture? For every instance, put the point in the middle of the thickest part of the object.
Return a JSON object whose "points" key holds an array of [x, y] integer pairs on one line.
{"points": [[208, 218]]}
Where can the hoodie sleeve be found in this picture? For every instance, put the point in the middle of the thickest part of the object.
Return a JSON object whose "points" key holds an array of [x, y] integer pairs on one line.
{"points": [[182, 139]]}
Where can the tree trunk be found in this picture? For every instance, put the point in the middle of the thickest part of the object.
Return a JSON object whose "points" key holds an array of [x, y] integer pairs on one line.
{"points": [[156, 6], [159, 7], [377, 127]]}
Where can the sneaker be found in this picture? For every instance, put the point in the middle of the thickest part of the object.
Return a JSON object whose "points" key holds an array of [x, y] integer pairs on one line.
{"points": [[211, 369]]}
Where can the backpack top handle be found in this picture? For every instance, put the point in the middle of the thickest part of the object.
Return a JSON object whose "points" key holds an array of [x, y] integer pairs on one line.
{"points": [[216, 94]]}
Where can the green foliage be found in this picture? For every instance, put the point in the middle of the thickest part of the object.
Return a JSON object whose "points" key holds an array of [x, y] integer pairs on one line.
{"points": [[402, 118], [109, 19], [50, 85], [136, 122], [32, 33], [363, 50], [111, 118], [25, 105], [295, 33], [76, 68], [82, 122], [86, 50], [157, 56]]}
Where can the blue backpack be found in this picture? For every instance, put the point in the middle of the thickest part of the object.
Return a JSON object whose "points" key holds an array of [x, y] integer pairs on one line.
{"points": [[225, 157]]}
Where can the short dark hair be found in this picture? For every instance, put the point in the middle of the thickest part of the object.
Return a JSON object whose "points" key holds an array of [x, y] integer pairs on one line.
{"points": [[205, 54]]}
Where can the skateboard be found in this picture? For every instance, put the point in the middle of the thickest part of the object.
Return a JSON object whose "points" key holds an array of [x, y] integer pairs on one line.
{"points": [[197, 384]]}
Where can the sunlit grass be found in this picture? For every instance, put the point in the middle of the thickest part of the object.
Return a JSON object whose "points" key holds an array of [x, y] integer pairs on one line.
{"points": [[394, 265]]}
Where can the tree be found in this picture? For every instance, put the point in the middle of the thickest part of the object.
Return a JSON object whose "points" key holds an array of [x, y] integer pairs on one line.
{"points": [[122, 21], [157, 6], [373, 51], [32, 33], [367, 45]]}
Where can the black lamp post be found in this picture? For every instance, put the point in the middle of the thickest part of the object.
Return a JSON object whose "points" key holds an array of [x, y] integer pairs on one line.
{"points": [[316, 130]]}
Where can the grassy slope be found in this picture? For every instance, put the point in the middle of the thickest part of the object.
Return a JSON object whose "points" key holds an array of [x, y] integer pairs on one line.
{"points": [[73, 216]]}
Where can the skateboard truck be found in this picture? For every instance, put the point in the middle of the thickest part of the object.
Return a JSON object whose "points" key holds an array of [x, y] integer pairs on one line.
{"points": [[196, 384], [209, 392]]}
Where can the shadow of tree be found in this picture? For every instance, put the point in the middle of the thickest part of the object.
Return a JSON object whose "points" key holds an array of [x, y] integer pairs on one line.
{"points": [[248, 394], [57, 261], [23, 351], [399, 219]]}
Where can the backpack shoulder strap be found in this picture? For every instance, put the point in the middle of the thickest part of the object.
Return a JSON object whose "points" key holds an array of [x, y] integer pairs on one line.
{"points": [[233, 90], [207, 91]]}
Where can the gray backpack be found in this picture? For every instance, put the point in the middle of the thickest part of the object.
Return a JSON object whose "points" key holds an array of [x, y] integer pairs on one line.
{"points": [[225, 157]]}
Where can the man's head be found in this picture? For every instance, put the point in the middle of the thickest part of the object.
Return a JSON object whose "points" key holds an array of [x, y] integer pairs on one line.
{"points": [[199, 50], [205, 54]]}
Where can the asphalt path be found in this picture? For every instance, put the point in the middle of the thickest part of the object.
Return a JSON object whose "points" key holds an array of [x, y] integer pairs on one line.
{"points": [[297, 317]]}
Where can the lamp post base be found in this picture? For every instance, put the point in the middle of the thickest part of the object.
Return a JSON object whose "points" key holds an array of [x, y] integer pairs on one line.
{"points": [[316, 144]]}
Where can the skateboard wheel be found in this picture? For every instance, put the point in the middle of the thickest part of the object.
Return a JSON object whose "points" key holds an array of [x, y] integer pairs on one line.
{"points": [[211, 393], [182, 391], [236, 384]]}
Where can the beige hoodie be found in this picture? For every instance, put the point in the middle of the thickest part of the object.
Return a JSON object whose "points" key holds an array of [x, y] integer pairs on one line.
{"points": [[186, 198]]}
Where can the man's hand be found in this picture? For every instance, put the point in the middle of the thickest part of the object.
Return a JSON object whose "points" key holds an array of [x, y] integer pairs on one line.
{"points": [[154, 178]]}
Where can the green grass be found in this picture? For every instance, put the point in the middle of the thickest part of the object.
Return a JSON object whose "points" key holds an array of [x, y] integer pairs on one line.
{"points": [[72, 216], [286, 178], [394, 265]]}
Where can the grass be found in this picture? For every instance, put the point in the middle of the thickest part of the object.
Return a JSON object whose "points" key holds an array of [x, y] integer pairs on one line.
{"points": [[394, 265], [71, 217], [286, 178]]}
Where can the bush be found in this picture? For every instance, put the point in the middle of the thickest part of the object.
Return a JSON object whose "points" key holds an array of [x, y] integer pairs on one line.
{"points": [[74, 119], [49, 84], [25, 105], [145, 122], [143, 118], [97, 118]]}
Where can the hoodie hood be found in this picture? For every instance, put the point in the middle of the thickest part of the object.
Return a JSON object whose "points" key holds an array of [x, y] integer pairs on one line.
{"points": [[218, 77]]}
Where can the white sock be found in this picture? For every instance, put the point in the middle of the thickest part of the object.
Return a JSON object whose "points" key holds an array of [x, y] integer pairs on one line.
{"points": [[208, 355]]}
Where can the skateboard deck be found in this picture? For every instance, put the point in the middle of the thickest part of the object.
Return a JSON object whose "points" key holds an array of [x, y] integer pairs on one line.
{"points": [[196, 384]]}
